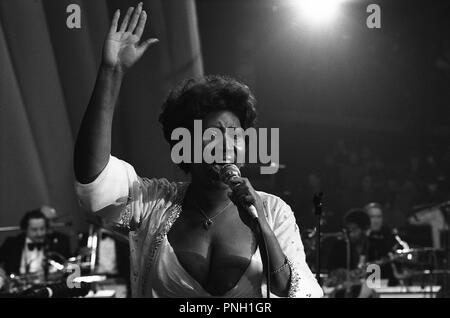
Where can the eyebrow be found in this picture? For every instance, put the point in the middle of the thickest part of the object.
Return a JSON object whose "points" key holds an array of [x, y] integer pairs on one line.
{"points": [[222, 127]]}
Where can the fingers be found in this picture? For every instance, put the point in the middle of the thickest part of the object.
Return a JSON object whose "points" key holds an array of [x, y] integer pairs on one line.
{"points": [[114, 22], [135, 18], [241, 193], [236, 181], [241, 200], [147, 43], [141, 24], [240, 182], [244, 198], [124, 24]]}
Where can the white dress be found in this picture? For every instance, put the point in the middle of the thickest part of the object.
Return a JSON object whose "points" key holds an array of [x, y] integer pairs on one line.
{"points": [[149, 207]]}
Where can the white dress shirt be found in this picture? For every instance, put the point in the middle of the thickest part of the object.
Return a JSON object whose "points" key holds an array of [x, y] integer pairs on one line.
{"points": [[32, 260]]}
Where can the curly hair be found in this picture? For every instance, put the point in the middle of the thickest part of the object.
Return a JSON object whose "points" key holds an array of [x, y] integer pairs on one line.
{"points": [[358, 217], [196, 98]]}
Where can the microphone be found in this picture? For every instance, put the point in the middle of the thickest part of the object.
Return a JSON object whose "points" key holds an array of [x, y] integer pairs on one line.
{"points": [[227, 173]]}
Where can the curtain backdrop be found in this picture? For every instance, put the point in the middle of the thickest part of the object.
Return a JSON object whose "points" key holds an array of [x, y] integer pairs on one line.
{"points": [[47, 72]]}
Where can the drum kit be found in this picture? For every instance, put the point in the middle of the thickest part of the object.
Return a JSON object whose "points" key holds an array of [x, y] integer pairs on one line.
{"points": [[60, 270], [20, 284]]}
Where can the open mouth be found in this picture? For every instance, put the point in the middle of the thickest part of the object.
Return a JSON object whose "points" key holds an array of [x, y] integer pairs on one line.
{"points": [[215, 169], [219, 165]]}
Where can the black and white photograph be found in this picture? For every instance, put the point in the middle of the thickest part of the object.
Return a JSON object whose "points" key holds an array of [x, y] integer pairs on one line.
{"points": [[224, 149]]}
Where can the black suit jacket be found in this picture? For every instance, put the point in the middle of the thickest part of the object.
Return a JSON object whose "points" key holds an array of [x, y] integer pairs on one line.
{"points": [[11, 250]]}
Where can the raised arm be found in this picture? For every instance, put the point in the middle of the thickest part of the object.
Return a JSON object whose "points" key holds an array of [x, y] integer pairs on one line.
{"points": [[122, 49]]}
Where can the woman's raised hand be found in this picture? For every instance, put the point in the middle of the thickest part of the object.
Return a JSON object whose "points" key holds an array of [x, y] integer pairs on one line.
{"points": [[122, 46]]}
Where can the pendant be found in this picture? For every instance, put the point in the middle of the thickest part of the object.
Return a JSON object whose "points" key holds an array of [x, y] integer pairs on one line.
{"points": [[207, 224]]}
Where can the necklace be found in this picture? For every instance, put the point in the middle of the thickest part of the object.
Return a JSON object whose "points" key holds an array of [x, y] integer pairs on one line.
{"points": [[209, 220]]}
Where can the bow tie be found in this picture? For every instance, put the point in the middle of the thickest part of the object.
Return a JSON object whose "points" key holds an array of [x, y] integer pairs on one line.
{"points": [[38, 246]]}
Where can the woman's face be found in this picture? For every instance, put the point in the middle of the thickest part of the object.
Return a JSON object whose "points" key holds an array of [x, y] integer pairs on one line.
{"points": [[229, 147]]}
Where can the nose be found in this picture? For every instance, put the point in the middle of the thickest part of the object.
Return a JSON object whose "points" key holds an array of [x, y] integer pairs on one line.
{"points": [[229, 149]]}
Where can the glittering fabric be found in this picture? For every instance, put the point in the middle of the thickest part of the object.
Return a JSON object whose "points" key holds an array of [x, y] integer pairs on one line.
{"points": [[153, 205]]}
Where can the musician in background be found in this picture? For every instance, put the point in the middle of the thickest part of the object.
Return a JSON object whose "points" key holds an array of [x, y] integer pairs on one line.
{"points": [[26, 253], [381, 242], [350, 253], [55, 236], [356, 224]]}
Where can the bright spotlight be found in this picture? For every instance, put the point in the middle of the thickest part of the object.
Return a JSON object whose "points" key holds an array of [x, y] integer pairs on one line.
{"points": [[317, 11]]}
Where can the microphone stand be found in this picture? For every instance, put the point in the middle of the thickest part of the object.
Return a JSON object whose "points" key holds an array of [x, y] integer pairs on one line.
{"points": [[317, 201], [445, 209], [348, 251]]}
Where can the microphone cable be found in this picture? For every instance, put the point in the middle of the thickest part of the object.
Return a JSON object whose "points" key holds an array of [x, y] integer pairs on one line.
{"points": [[226, 173], [264, 255]]}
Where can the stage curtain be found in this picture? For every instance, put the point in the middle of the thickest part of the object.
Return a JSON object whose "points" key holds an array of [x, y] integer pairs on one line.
{"points": [[47, 72]]}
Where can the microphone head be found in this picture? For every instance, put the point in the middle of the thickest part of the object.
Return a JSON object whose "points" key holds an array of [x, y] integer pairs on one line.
{"points": [[229, 171]]}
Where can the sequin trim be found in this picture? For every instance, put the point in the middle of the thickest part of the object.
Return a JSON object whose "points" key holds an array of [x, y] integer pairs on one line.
{"points": [[295, 281], [174, 213], [126, 215]]}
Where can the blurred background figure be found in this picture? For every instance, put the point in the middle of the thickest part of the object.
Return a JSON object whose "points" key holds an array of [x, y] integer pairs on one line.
{"points": [[381, 243], [356, 224], [27, 252], [375, 213], [349, 255]]}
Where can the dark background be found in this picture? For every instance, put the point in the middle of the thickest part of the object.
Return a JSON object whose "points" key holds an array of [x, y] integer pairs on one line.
{"points": [[383, 90], [383, 94]]}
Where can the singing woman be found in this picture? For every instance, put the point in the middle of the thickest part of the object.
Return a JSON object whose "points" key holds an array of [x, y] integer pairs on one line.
{"points": [[187, 239]]}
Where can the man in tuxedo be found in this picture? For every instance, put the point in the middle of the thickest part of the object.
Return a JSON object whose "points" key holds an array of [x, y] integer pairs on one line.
{"points": [[27, 252]]}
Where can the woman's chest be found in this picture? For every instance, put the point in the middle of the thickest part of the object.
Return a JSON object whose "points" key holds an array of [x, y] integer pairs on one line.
{"points": [[216, 258]]}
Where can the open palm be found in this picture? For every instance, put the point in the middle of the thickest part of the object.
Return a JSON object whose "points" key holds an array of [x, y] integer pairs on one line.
{"points": [[122, 48]]}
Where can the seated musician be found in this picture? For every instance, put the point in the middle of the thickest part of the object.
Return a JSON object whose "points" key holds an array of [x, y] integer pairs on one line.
{"points": [[381, 242], [27, 252], [356, 241]]}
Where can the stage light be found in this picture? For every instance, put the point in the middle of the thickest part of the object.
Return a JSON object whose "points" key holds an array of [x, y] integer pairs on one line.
{"points": [[317, 11]]}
